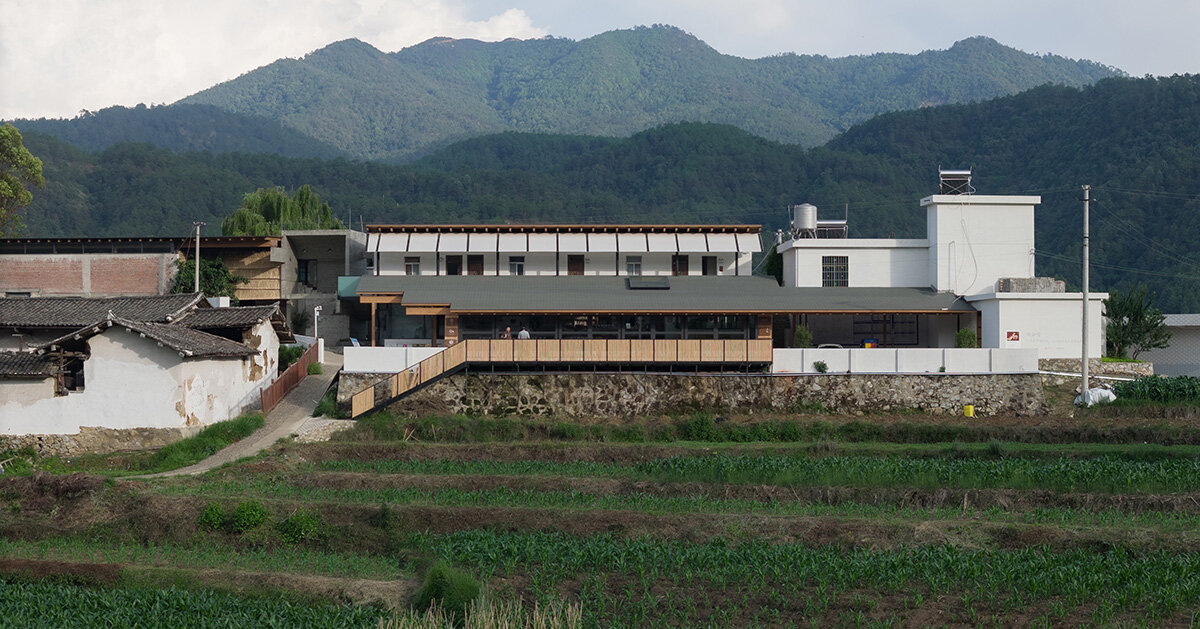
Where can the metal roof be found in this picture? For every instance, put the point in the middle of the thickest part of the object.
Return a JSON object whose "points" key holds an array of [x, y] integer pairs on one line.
{"points": [[611, 294], [186, 341], [1182, 320], [76, 312], [25, 365], [561, 227]]}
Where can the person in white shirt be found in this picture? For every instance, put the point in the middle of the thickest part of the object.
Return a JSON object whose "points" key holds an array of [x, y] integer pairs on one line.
{"points": [[523, 334]]}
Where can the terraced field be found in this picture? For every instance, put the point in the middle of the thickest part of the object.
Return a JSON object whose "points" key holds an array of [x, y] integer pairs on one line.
{"points": [[637, 533]]}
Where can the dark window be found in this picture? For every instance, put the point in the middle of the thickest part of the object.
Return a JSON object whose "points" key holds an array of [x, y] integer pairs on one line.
{"points": [[708, 265], [574, 264], [474, 265], [516, 265], [412, 265], [633, 266], [21, 294], [835, 270], [453, 265], [306, 272], [679, 265]]}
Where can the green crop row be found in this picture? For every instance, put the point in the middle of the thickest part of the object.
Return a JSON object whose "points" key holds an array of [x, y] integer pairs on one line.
{"points": [[648, 503], [49, 604], [1173, 389], [1154, 584], [1109, 474]]}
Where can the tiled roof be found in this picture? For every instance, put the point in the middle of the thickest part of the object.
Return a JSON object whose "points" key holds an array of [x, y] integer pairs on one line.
{"points": [[189, 342], [76, 312], [25, 364], [239, 317]]}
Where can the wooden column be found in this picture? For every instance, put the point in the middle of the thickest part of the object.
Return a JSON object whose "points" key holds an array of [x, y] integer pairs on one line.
{"points": [[373, 324]]}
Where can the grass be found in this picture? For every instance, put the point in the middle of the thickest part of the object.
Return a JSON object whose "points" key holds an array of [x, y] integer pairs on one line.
{"points": [[327, 406], [204, 444]]}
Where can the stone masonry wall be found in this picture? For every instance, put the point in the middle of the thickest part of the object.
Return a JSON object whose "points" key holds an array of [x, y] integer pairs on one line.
{"points": [[1096, 367], [91, 440], [622, 395]]}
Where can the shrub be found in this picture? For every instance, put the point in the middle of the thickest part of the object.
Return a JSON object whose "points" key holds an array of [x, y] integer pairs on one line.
{"points": [[212, 518], [314, 369], [451, 589], [328, 407], [803, 337], [289, 354], [698, 427], [566, 430], [966, 338], [820, 366], [299, 526], [247, 515], [385, 518]]}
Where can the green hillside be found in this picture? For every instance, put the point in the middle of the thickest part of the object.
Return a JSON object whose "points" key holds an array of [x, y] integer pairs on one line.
{"points": [[1135, 140], [181, 128], [375, 105]]}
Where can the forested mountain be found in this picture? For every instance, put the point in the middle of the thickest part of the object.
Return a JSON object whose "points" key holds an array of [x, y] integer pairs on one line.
{"points": [[376, 105], [1137, 141], [181, 128]]}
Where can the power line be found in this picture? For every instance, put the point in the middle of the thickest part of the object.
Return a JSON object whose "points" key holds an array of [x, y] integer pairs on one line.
{"points": [[1118, 267]]}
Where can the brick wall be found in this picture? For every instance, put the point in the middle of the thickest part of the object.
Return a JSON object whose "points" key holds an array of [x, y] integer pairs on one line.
{"points": [[87, 274], [42, 275], [125, 275]]}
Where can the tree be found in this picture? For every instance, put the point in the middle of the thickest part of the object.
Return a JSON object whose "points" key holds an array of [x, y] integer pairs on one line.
{"points": [[268, 211], [1134, 324], [19, 169], [215, 278]]}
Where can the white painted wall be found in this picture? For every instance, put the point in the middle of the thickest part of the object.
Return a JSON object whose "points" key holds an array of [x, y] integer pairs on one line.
{"points": [[1181, 357], [595, 263], [918, 360], [975, 240], [132, 382], [873, 262], [19, 392], [1047, 322], [384, 359]]}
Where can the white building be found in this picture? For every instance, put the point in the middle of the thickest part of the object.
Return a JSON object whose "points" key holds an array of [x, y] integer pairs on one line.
{"points": [[1182, 356], [978, 247]]}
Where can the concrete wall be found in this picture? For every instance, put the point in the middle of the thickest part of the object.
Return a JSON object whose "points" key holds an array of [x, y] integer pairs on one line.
{"points": [[1047, 322], [384, 359], [132, 382], [1181, 357], [624, 395], [975, 240], [917, 360], [873, 262], [87, 274]]}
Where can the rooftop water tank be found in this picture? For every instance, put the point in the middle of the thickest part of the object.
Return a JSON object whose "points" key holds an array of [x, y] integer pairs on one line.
{"points": [[804, 218]]}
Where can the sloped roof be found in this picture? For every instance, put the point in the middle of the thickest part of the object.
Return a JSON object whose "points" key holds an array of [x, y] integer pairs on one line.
{"points": [[191, 343], [685, 294], [25, 365], [239, 317], [76, 312]]}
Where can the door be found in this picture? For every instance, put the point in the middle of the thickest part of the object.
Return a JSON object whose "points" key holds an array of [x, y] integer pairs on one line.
{"points": [[453, 265], [708, 265], [679, 265], [474, 265], [575, 265]]}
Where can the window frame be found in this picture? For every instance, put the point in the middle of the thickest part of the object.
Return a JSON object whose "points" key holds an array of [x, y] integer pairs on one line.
{"points": [[835, 271]]}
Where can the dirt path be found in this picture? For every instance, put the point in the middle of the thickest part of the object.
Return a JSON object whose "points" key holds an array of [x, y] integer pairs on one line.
{"points": [[282, 421]]}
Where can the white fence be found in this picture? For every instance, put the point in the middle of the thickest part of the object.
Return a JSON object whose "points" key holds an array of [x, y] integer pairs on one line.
{"points": [[384, 359], [916, 360]]}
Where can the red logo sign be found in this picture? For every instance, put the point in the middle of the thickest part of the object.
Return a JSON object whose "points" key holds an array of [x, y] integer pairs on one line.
{"points": [[1014, 335]]}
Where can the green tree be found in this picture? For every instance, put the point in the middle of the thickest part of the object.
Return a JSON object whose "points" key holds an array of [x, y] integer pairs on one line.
{"points": [[19, 169], [1134, 324], [268, 211], [215, 278]]}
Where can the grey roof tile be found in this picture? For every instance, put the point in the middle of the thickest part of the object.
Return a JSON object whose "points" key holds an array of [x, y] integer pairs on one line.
{"points": [[75, 312], [25, 364]]}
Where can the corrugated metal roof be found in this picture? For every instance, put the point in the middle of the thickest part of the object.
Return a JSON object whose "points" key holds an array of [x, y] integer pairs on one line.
{"points": [[610, 294], [25, 365], [75, 312]]}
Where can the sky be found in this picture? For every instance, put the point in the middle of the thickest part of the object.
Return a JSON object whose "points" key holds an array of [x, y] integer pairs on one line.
{"points": [[60, 57]]}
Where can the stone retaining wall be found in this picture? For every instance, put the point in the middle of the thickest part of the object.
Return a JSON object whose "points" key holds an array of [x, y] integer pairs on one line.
{"points": [[92, 440], [1096, 367], [623, 395]]}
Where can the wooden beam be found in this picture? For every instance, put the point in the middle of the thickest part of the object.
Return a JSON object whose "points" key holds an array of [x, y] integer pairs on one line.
{"points": [[380, 299], [427, 310]]}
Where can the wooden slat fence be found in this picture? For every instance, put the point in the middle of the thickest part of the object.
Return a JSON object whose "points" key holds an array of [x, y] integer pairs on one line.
{"points": [[272, 394]]}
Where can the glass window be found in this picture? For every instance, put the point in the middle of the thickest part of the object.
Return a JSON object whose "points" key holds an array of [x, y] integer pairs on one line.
{"points": [[476, 326], [306, 272], [412, 265], [835, 270], [516, 265], [633, 265]]}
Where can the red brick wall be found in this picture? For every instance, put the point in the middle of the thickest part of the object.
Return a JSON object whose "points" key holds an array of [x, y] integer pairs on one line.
{"points": [[42, 275], [132, 275]]}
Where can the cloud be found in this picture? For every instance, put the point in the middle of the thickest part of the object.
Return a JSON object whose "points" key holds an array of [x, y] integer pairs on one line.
{"points": [[61, 56]]}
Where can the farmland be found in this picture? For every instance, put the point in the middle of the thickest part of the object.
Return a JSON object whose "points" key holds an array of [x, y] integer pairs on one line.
{"points": [[800, 520]]}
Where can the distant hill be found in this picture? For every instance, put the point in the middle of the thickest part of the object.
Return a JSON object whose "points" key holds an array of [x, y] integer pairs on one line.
{"points": [[181, 128], [376, 105], [1137, 141]]}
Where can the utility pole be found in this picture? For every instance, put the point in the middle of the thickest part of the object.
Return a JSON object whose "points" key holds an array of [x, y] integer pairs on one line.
{"points": [[1083, 364], [198, 225]]}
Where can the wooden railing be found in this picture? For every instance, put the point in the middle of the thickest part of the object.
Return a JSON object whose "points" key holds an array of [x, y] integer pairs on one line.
{"points": [[274, 393], [530, 351]]}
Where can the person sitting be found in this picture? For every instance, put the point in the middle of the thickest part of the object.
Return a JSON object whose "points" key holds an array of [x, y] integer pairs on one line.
{"points": [[507, 333], [523, 334]]}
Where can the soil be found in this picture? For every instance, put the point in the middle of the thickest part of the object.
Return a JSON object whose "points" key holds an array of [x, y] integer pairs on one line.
{"points": [[77, 573]]}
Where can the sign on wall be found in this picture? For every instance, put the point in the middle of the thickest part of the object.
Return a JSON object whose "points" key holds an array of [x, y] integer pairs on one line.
{"points": [[1013, 336]]}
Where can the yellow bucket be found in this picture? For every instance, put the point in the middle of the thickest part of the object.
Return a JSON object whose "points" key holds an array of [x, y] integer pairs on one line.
{"points": [[969, 410]]}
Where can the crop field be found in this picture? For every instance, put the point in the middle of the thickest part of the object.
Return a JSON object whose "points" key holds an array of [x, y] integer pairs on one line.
{"points": [[668, 524]]}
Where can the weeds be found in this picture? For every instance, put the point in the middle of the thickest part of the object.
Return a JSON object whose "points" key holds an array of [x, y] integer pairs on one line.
{"points": [[205, 443]]}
